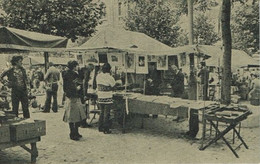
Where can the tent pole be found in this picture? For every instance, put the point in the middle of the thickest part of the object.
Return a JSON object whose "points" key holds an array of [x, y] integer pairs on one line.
{"points": [[144, 83], [126, 98], [46, 61]]}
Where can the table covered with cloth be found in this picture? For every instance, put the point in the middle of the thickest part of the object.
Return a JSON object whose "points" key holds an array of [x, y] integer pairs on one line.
{"points": [[161, 105]]}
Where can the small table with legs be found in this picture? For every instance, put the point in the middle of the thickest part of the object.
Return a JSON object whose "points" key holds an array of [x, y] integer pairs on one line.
{"points": [[231, 116], [32, 141]]}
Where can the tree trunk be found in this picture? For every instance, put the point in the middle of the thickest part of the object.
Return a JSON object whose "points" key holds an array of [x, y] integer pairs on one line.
{"points": [[190, 15], [226, 37]]}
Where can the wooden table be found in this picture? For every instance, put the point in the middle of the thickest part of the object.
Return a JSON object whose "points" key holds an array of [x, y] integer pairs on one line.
{"points": [[231, 117], [159, 105], [33, 150]]}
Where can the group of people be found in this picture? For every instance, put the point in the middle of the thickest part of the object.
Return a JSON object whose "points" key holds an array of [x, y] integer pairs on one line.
{"points": [[177, 82], [246, 84], [75, 87]]}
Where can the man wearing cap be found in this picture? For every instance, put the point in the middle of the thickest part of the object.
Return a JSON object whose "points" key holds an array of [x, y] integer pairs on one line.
{"points": [[18, 81], [51, 79]]}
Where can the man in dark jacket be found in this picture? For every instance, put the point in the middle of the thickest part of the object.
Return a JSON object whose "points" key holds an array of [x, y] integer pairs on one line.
{"points": [[177, 82], [204, 80], [153, 81], [17, 80]]}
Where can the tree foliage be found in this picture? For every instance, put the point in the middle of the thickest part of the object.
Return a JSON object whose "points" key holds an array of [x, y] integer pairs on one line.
{"points": [[67, 18], [204, 31], [199, 5], [245, 27], [155, 20]]}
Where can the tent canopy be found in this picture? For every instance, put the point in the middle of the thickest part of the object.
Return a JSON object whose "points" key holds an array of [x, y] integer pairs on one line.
{"points": [[239, 59], [206, 50], [129, 41], [11, 38]]}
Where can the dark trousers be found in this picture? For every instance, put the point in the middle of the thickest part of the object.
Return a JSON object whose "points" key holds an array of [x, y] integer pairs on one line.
{"points": [[18, 95], [104, 118], [51, 93], [74, 128], [205, 91]]}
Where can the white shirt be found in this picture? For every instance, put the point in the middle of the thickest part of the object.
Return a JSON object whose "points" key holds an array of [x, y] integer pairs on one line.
{"points": [[107, 80]]}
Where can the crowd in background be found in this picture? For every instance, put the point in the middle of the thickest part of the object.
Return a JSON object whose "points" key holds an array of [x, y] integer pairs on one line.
{"points": [[92, 81], [245, 84]]}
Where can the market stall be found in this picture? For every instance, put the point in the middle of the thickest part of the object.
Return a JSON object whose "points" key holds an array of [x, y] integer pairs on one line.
{"points": [[15, 39], [13, 130]]}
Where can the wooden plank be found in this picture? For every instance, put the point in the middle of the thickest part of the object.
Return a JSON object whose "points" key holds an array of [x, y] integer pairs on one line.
{"points": [[19, 143]]}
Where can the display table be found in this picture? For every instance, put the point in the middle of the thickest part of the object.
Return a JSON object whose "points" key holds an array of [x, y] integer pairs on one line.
{"points": [[33, 151], [231, 116], [160, 105]]}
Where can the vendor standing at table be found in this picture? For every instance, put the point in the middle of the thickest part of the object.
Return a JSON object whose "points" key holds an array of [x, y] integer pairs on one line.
{"points": [[152, 81], [85, 76], [177, 82], [105, 84], [18, 81], [204, 80]]}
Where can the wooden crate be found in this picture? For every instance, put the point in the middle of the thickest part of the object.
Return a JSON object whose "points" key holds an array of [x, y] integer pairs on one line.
{"points": [[25, 131], [4, 134]]}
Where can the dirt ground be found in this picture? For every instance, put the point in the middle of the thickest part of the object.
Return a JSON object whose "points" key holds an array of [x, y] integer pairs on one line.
{"points": [[135, 146]]}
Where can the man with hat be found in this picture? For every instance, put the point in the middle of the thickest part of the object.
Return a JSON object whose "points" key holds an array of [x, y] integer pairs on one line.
{"points": [[18, 82]]}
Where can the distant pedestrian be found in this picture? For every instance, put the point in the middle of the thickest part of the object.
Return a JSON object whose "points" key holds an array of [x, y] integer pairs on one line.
{"points": [[74, 109], [18, 82], [51, 78], [204, 80]]}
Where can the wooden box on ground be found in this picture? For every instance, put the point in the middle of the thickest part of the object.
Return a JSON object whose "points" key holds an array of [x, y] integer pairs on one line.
{"points": [[28, 130], [4, 134]]}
